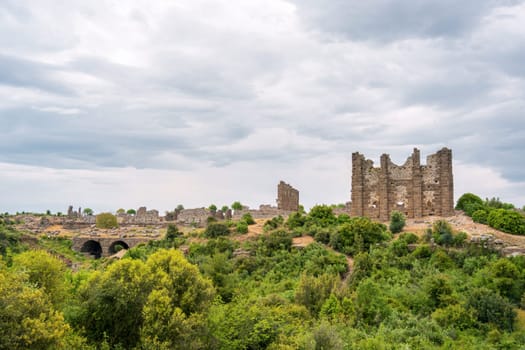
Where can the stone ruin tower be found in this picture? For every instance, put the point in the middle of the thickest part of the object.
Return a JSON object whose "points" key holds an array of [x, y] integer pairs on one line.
{"points": [[413, 189], [287, 197]]}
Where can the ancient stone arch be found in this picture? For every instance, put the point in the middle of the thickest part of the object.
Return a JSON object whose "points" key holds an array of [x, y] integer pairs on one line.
{"points": [[113, 246], [92, 247]]}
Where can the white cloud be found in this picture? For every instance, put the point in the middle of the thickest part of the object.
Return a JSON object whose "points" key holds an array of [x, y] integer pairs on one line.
{"points": [[242, 94]]}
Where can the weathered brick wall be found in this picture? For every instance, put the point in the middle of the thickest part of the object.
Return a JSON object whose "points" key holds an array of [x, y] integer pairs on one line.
{"points": [[287, 197], [414, 189]]}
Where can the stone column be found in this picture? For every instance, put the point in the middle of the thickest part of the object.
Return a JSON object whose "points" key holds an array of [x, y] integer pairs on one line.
{"points": [[357, 208], [384, 198], [417, 185], [446, 182]]}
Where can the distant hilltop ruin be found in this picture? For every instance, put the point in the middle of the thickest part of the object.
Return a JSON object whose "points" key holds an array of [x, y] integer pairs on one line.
{"points": [[413, 189], [287, 197], [287, 203]]}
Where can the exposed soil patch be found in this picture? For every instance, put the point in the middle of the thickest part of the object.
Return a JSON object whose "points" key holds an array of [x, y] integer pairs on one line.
{"points": [[461, 222]]}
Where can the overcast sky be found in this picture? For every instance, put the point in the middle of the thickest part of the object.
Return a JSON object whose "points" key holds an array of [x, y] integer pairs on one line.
{"points": [[109, 104]]}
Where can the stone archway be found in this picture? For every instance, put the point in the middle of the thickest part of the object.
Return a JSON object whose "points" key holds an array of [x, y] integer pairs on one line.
{"points": [[93, 248], [114, 247]]}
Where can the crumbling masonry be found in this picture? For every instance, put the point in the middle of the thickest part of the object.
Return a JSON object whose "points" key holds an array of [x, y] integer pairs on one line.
{"points": [[414, 189], [287, 197]]}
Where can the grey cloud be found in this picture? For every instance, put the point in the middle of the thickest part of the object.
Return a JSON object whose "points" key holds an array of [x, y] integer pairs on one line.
{"points": [[385, 20], [29, 74]]}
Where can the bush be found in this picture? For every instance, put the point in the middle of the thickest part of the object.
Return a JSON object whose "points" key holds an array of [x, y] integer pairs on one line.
{"points": [[248, 219], [408, 237], [296, 220], [471, 208], [507, 220], [216, 230], [323, 235], [468, 198], [172, 232], [321, 215], [358, 235], [276, 240], [242, 227], [480, 216], [397, 221], [106, 220], [442, 233], [490, 307], [273, 223]]}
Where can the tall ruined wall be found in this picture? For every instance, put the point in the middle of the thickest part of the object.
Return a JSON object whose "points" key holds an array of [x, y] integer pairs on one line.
{"points": [[287, 197], [414, 189]]}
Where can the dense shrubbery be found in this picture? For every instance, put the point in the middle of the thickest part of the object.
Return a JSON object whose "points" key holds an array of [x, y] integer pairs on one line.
{"points": [[216, 229], [263, 293], [499, 215], [507, 221]]}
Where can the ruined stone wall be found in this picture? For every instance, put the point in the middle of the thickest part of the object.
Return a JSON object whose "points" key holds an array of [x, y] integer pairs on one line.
{"points": [[265, 211], [142, 217], [197, 217], [287, 197], [414, 189]]}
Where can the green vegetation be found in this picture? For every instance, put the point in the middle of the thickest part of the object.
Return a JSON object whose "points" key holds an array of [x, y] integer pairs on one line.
{"points": [[397, 221], [106, 220], [499, 215], [236, 205], [131, 212], [216, 229], [432, 292]]}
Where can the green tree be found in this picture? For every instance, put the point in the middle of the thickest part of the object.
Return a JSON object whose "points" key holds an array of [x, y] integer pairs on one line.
{"points": [[187, 288], [174, 311], [236, 205], [397, 221], [131, 212], [492, 308], [212, 208], [121, 211], [225, 208], [88, 211], [43, 271], [358, 235], [370, 304], [27, 317], [179, 207], [216, 229], [313, 291], [111, 303], [454, 316], [106, 220], [172, 232], [466, 199]]}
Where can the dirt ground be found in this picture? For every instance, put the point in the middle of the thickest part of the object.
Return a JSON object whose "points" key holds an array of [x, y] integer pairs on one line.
{"points": [[461, 222]]}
